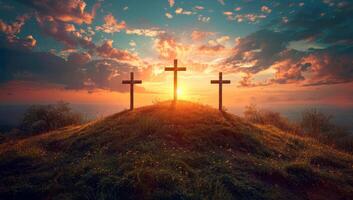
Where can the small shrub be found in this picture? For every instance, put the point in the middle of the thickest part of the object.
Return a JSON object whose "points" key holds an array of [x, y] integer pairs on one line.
{"points": [[261, 116], [320, 126], [43, 118], [316, 123]]}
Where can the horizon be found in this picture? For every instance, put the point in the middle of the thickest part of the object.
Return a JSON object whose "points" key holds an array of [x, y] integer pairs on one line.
{"points": [[341, 116]]}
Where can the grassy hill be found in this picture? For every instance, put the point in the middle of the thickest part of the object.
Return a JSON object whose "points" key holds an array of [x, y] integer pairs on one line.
{"points": [[189, 151]]}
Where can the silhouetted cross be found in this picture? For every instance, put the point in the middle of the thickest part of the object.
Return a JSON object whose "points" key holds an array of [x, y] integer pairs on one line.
{"points": [[175, 69], [131, 82], [220, 82]]}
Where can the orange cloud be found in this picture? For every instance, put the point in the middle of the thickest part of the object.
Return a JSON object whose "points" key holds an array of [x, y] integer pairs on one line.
{"points": [[169, 48], [15, 27], [200, 35], [171, 3], [111, 25], [106, 50], [11, 30], [266, 9], [211, 48]]}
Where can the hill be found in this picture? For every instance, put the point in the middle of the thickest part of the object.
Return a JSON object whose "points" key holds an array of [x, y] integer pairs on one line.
{"points": [[187, 151]]}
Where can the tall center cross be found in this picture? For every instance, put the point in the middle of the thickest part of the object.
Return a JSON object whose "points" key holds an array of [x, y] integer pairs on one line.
{"points": [[131, 82], [175, 69], [220, 82]]}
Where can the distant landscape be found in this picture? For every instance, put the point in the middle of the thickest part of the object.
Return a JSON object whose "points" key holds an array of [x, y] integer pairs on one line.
{"points": [[341, 116]]}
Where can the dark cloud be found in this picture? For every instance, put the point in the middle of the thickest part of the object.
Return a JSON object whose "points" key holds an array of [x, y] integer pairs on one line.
{"points": [[79, 58], [65, 33], [64, 10], [78, 72], [327, 32], [331, 66], [72, 38], [107, 50]]}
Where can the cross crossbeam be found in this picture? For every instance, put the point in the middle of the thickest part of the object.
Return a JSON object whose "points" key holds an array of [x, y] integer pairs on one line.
{"points": [[175, 69], [220, 83], [132, 82]]}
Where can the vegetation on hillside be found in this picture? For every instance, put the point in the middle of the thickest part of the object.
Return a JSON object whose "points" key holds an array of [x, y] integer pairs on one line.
{"points": [[44, 118], [313, 123], [188, 151]]}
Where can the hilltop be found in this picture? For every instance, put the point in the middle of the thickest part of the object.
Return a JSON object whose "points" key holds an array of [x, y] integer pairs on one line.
{"points": [[186, 151]]}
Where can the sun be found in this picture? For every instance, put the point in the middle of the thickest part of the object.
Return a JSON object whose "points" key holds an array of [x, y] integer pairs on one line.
{"points": [[180, 93]]}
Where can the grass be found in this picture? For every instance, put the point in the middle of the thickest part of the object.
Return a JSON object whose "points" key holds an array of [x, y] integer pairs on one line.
{"points": [[188, 151]]}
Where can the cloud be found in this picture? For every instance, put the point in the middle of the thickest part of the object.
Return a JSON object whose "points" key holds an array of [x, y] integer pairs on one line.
{"points": [[228, 13], [66, 10], [203, 18], [200, 35], [199, 7], [327, 60], [171, 3], [111, 25], [168, 15], [169, 48], [221, 2], [211, 48], [266, 9], [250, 18], [9, 32], [148, 32], [106, 50], [15, 27], [65, 33], [330, 66], [132, 43], [73, 38], [180, 11], [78, 72], [79, 58], [223, 39]]}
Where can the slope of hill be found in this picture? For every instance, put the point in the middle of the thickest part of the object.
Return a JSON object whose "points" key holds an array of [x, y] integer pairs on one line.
{"points": [[189, 151]]}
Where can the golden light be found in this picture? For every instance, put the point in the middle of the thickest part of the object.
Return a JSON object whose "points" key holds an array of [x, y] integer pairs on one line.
{"points": [[180, 92]]}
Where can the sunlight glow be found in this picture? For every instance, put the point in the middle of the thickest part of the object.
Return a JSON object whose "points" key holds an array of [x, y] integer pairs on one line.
{"points": [[181, 93]]}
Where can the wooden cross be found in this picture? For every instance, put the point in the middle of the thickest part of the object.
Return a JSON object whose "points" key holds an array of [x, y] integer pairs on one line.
{"points": [[131, 82], [220, 82], [175, 69]]}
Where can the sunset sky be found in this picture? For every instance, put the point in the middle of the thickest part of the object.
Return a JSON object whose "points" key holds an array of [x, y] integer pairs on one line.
{"points": [[277, 53]]}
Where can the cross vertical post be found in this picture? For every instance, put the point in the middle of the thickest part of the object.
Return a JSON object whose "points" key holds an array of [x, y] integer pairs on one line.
{"points": [[175, 69], [220, 83], [220, 91], [175, 80], [131, 91], [131, 82]]}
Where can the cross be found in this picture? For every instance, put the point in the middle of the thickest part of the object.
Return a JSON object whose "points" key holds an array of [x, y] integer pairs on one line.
{"points": [[175, 69], [131, 82], [220, 82]]}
